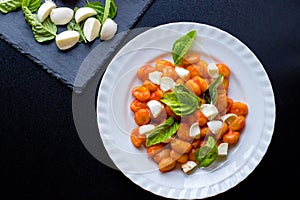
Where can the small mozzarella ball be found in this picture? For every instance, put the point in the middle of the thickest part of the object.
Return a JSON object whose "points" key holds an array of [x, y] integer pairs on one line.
{"points": [[109, 29], [66, 39]]}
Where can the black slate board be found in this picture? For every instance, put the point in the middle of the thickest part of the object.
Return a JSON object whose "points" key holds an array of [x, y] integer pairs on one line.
{"points": [[65, 65]]}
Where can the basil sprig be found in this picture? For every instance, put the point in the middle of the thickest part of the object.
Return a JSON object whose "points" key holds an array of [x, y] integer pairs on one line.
{"points": [[7, 6], [162, 132], [211, 94], [110, 10], [181, 46], [44, 31], [182, 101], [207, 154]]}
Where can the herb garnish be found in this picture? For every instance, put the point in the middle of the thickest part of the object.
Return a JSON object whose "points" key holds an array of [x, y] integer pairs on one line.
{"points": [[211, 94], [162, 132], [182, 101], [208, 153], [181, 46], [110, 10]]}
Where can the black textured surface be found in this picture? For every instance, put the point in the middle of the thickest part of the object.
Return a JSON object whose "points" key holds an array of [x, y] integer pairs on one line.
{"points": [[64, 65], [42, 156]]}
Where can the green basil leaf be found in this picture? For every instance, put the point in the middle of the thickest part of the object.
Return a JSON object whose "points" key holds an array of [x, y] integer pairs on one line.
{"points": [[73, 26], [181, 46], [32, 5], [106, 10], [181, 88], [7, 6], [42, 31], [208, 153], [211, 94], [182, 101], [110, 10], [162, 132], [98, 7]]}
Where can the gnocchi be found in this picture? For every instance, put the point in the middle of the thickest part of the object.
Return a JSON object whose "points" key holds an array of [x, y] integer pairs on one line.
{"points": [[179, 137]]}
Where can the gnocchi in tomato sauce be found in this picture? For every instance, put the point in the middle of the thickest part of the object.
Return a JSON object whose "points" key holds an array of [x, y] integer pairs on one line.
{"points": [[180, 109]]}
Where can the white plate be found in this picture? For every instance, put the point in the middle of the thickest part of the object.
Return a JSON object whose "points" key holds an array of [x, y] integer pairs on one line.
{"points": [[248, 83]]}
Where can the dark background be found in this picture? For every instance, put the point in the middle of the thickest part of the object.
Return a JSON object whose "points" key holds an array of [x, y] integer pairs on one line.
{"points": [[42, 156]]}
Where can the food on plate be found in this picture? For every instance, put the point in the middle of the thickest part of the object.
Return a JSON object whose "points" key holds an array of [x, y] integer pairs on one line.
{"points": [[61, 15], [183, 114]]}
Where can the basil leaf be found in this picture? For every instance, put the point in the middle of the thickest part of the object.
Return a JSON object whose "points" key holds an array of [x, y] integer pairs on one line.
{"points": [[106, 10], [211, 94], [181, 46], [42, 31], [182, 101], [162, 132], [98, 7], [110, 10], [7, 6], [32, 5], [208, 153], [181, 88]]}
